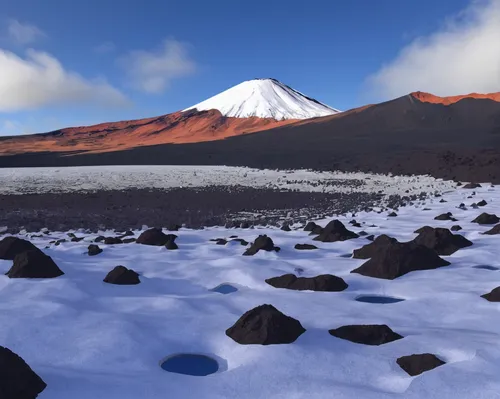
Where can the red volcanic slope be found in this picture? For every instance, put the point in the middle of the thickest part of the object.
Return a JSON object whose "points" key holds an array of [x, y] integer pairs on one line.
{"points": [[176, 128], [431, 98]]}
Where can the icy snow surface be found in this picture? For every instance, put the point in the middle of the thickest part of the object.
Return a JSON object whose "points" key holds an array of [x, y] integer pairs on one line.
{"points": [[88, 339], [91, 178], [265, 98]]}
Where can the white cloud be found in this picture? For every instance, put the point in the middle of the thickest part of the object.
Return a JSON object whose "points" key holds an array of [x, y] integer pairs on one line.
{"points": [[152, 71], [105, 47], [23, 33], [461, 58], [40, 80]]}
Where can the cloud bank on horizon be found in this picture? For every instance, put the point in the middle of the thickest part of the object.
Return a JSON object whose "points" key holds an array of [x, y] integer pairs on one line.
{"points": [[461, 58]]}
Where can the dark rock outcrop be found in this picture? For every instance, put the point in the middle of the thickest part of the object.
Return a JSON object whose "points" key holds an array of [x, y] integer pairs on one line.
{"points": [[17, 379], [471, 185], [262, 243], [418, 364], [482, 203], [445, 216], [392, 215], [374, 334], [456, 227], [155, 237], [493, 295], [286, 227], [310, 226], [128, 240], [99, 239], [443, 241], [94, 250], [113, 240], [335, 231], [398, 259], [265, 325], [120, 275], [368, 250], [306, 247], [171, 245], [493, 231], [12, 246], [324, 282], [486, 218], [34, 264]]}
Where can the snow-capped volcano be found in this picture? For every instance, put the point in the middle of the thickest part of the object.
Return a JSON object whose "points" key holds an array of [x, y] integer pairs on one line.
{"points": [[265, 98]]}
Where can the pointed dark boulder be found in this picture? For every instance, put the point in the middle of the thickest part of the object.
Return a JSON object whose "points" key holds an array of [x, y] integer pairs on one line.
{"points": [[486, 218], [34, 264], [324, 283], [374, 334], [120, 275], [443, 241], [368, 250], [262, 243], [155, 237], [310, 226], [418, 364], [398, 259], [265, 325], [493, 295], [493, 231], [12, 246], [482, 203], [17, 379], [335, 231]]}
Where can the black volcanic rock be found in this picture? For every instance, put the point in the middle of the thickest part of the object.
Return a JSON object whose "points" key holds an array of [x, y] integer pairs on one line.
{"points": [[369, 250], [392, 214], [335, 231], [155, 237], [422, 229], [34, 264], [398, 259], [120, 275], [374, 334], [445, 216], [324, 282], [471, 185], [286, 227], [371, 237], [310, 226], [94, 250], [17, 379], [456, 227], [482, 203], [265, 325], [128, 240], [112, 240], [12, 246], [262, 243], [486, 218], [171, 245], [418, 364], [306, 247], [493, 295], [442, 241], [493, 231]]}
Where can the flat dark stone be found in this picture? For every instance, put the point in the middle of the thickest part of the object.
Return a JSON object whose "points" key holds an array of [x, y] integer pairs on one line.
{"points": [[374, 334], [324, 282], [418, 364], [486, 218], [445, 216], [302, 247]]}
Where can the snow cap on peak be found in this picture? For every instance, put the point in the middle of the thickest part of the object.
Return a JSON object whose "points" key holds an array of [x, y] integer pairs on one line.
{"points": [[265, 98]]}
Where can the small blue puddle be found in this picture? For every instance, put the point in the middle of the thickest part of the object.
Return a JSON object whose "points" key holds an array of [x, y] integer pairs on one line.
{"points": [[225, 289], [486, 267], [190, 364], [378, 299]]}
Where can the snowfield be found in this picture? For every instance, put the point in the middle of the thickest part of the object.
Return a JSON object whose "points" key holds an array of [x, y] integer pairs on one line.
{"points": [[93, 178], [88, 339]]}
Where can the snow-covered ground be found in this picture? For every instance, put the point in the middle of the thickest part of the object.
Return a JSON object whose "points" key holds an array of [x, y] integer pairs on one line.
{"points": [[91, 178], [88, 339]]}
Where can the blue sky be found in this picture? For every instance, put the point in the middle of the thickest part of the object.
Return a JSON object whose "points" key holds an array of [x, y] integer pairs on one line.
{"points": [[67, 63]]}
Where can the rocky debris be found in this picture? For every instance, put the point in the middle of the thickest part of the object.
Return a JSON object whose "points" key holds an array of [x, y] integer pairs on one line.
{"points": [[17, 379], [369, 250], [262, 243], [486, 218], [493, 295], [374, 334], [265, 325], [34, 264], [156, 237], [128, 240], [305, 247], [443, 241], [335, 231], [456, 227], [471, 185], [398, 259], [446, 216], [418, 364], [392, 214], [171, 245], [12, 246], [324, 282], [482, 203], [113, 240], [120, 275], [94, 250]]}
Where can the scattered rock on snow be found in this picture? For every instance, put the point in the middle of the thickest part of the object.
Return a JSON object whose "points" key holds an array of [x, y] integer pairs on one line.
{"points": [[456, 227], [392, 214], [443, 241], [17, 379], [12, 246], [493, 295], [324, 282], [155, 237], [305, 247], [264, 243], [418, 364], [113, 240], [34, 264], [265, 325], [375, 334], [120, 275], [171, 245], [368, 250], [94, 250], [482, 203], [486, 218], [335, 231], [471, 185], [445, 216]]}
